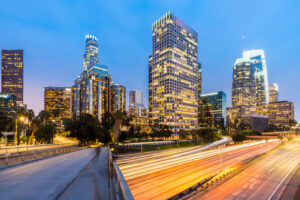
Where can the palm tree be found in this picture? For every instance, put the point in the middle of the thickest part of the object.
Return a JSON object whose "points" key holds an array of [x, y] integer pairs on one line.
{"points": [[44, 116], [121, 119]]}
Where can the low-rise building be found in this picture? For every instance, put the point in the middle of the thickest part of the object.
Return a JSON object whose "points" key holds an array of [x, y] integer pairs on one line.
{"points": [[258, 123], [8, 104], [280, 113]]}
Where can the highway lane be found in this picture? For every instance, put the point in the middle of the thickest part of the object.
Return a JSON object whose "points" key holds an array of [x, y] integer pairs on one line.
{"points": [[262, 180], [43, 179], [165, 183], [137, 169], [137, 157]]}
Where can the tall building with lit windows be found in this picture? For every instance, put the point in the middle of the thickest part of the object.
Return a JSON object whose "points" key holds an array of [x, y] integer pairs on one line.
{"points": [[243, 89], [174, 74], [118, 98], [58, 98], [91, 91], [12, 73], [258, 63], [273, 93]]}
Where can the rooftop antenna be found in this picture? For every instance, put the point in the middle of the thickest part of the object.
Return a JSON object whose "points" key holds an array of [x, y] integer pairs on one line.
{"points": [[244, 38]]}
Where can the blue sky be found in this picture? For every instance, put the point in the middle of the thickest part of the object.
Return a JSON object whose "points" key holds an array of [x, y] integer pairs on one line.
{"points": [[52, 36]]}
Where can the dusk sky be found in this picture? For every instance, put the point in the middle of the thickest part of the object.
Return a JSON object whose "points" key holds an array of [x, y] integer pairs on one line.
{"points": [[52, 36]]}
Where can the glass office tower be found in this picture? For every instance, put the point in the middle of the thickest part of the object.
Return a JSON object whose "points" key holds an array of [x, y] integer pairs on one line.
{"points": [[118, 98], [173, 74], [243, 88], [12, 73], [91, 91], [136, 98], [259, 66], [213, 110]]}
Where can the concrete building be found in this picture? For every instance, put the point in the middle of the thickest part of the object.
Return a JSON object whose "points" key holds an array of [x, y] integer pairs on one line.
{"points": [[136, 98], [258, 123], [58, 98], [174, 74], [12, 73], [273, 93], [280, 113]]}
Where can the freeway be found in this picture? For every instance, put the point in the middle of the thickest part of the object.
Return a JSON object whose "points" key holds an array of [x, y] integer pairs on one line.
{"points": [[43, 179], [264, 180], [138, 158], [165, 177]]}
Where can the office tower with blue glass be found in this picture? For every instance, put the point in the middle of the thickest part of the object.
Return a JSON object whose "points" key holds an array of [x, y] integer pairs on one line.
{"points": [[174, 74], [212, 110], [258, 63], [118, 98], [91, 91]]}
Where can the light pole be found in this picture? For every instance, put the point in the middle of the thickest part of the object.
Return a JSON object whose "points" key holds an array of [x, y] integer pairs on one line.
{"points": [[21, 118]]}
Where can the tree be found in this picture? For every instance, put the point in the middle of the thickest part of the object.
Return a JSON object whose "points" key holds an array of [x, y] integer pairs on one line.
{"points": [[44, 134], [120, 119], [44, 116], [85, 129], [55, 113], [6, 123], [238, 137]]}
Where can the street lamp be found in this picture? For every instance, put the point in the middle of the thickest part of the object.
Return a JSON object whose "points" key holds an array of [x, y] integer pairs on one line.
{"points": [[21, 118]]}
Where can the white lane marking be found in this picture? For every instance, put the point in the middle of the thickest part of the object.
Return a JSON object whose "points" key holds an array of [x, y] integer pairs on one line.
{"points": [[252, 185], [282, 181]]}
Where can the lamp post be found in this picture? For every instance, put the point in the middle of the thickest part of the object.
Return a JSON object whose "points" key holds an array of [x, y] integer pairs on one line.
{"points": [[21, 118]]}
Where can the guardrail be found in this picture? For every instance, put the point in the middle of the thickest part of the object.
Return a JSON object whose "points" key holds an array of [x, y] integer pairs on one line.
{"points": [[117, 183], [25, 156], [18, 149]]}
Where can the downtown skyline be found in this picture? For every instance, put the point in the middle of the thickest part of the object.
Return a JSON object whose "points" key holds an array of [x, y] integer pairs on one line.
{"points": [[55, 58]]}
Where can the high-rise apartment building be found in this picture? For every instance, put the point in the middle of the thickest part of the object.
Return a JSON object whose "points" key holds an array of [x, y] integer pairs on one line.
{"points": [[118, 98], [243, 89], [136, 98], [174, 74], [212, 110], [58, 98], [91, 91], [12, 73], [273, 93], [258, 63]]}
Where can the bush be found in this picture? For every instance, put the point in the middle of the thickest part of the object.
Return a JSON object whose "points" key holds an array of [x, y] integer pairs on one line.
{"points": [[238, 137]]}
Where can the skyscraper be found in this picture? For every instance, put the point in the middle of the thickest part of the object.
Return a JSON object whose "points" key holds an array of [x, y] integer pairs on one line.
{"points": [[213, 110], [118, 98], [258, 62], [136, 98], [91, 91], [58, 98], [91, 52], [243, 88], [273, 93], [12, 73], [174, 74]]}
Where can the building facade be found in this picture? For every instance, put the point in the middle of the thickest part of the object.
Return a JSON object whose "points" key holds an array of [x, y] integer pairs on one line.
{"points": [[58, 98], [212, 110], [273, 93], [174, 74], [136, 98], [259, 66], [280, 113], [243, 89], [91, 91], [12, 73], [258, 123], [8, 103], [118, 98]]}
